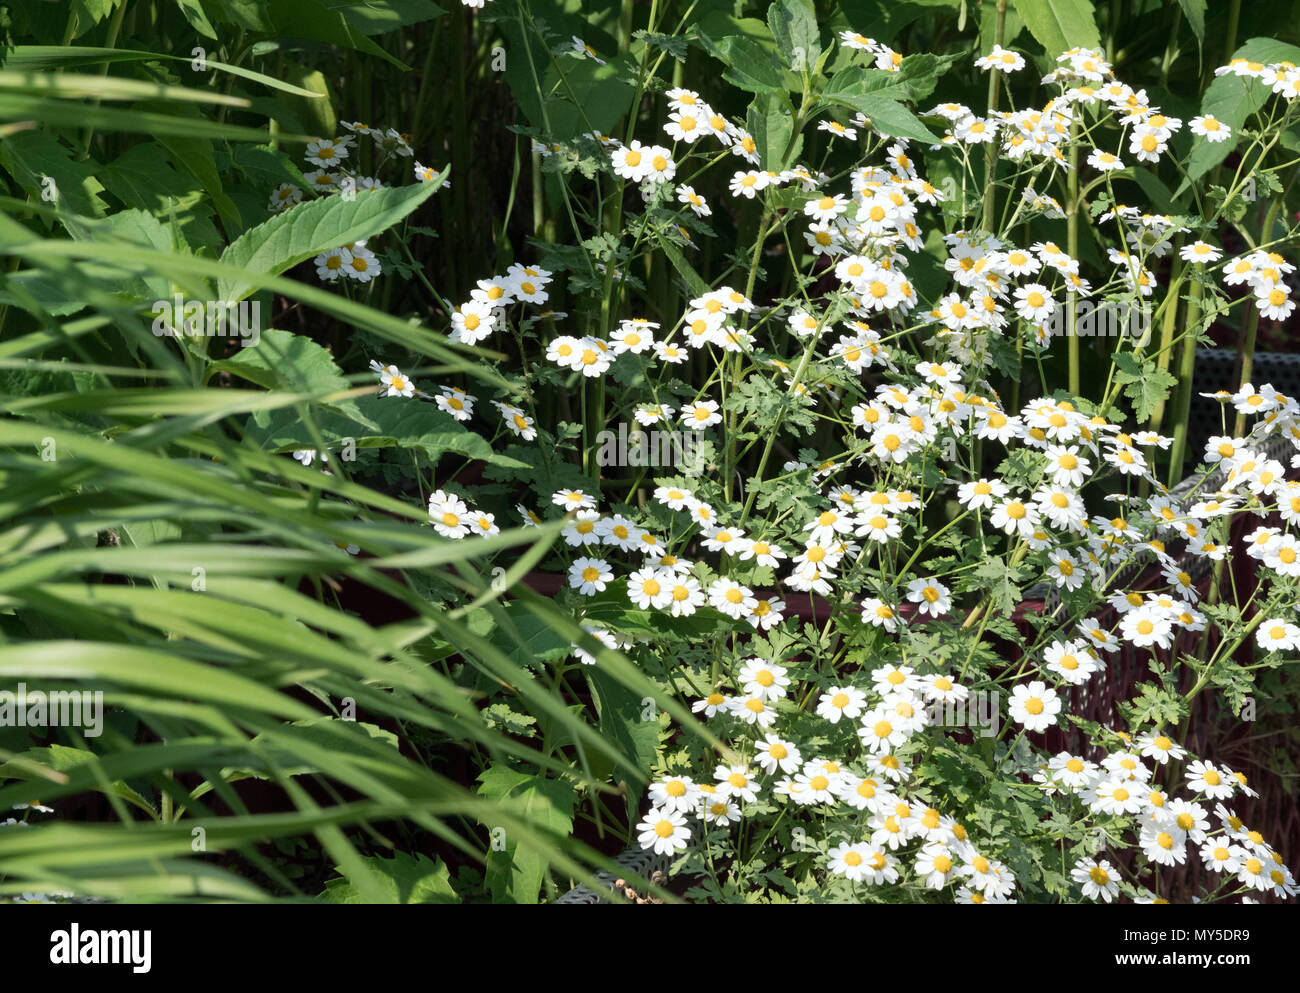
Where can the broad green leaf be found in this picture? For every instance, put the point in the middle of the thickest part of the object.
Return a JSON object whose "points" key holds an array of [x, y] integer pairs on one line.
{"points": [[35, 764], [884, 20], [794, 26], [380, 422], [517, 872], [499, 715], [381, 18], [771, 124], [405, 878], [266, 166], [886, 116], [1232, 99], [194, 155], [630, 721], [133, 226], [353, 738], [529, 640], [312, 19], [283, 360], [1145, 383], [1194, 11], [89, 13], [142, 177], [915, 80], [194, 13], [314, 116], [1156, 191], [32, 156], [1059, 25], [308, 229], [750, 66], [47, 294]]}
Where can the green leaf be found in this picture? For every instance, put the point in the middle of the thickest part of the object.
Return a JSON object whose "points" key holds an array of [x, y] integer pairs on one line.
{"points": [[529, 639], [35, 763], [194, 13], [381, 18], [311, 228], [750, 66], [915, 80], [1059, 25], [194, 154], [516, 872], [311, 19], [378, 422], [147, 668], [1232, 99], [629, 721], [312, 116], [93, 11], [993, 575], [884, 20], [30, 156], [1156, 191], [1145, 383], [1194, 11], [771, 124], [673, 45], [405, 878], [508, 721], [287, 361], [886, 116], [132, 226], [142, 177], [684, 268], [794, 26], [44, 57]]}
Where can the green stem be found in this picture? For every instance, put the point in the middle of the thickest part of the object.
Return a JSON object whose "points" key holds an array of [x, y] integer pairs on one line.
{"points": [[1072, 247], [990, 150], [729, 464], [1167, 334], [1186, 367], [1230, 35], [114, 26]]}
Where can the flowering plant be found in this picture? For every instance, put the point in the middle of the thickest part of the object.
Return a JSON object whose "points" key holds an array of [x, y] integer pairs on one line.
{"points": [[836, 574], [829, 410]]}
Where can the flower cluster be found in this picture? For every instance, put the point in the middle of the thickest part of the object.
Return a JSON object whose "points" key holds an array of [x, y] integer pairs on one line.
{"points": [[915, 502]]}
